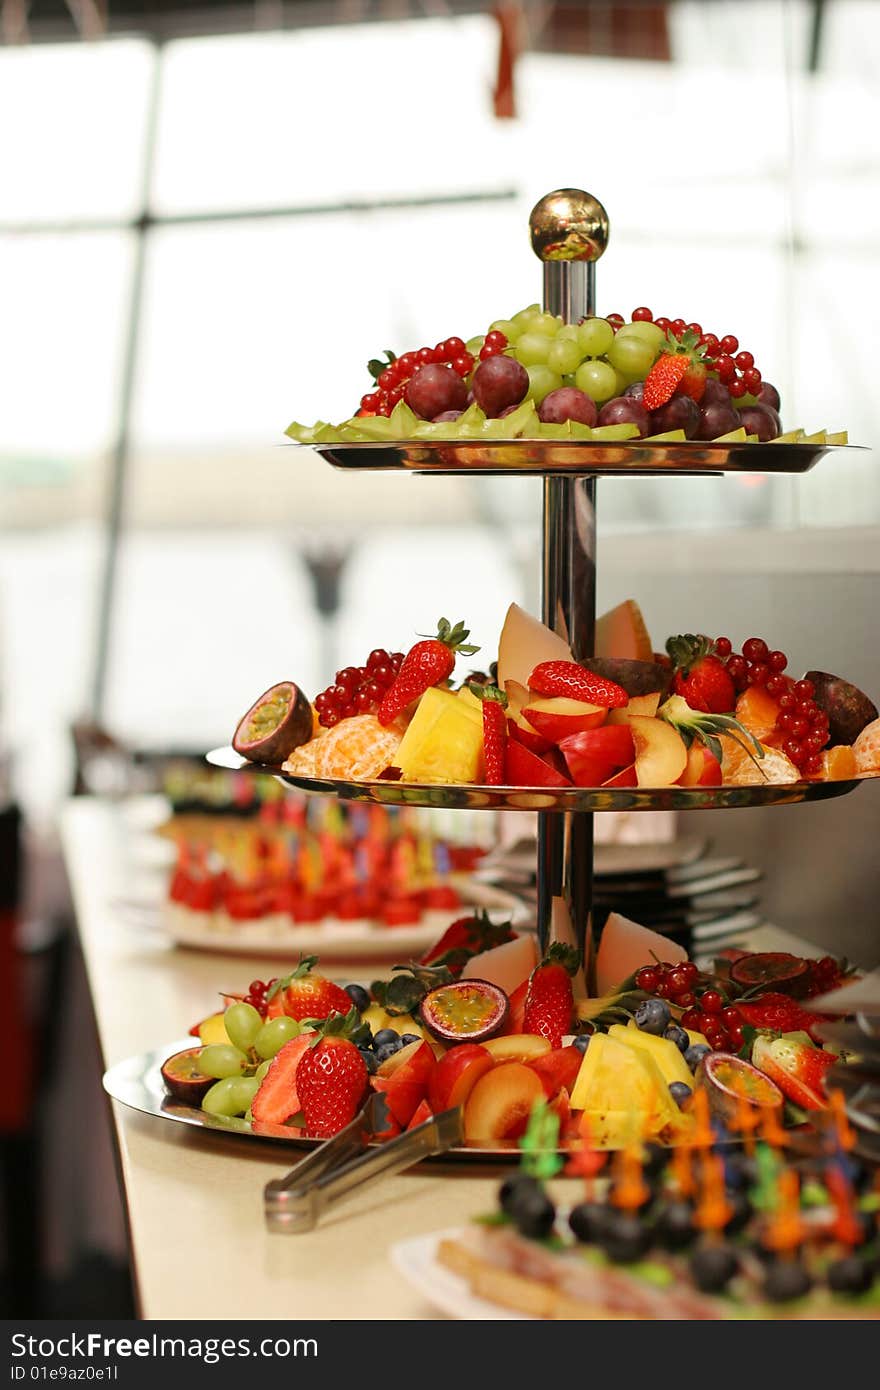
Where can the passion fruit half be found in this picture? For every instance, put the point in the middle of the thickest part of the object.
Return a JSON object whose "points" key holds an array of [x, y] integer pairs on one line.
{"points": [[278, 722], [729, 1081], [783, 972], [182, 1077], [465, 1011]]}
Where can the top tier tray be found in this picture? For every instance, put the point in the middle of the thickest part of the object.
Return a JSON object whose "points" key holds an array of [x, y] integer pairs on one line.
{"points": [[578, 457]]}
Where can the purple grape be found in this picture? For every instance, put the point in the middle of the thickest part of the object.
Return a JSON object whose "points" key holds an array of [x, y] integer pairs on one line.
{"points": [[715, 392], [761, 420], [567, 403], [717, 418], [446, 415], [433, 389], [768, 395], [679, 413], [635, 391], [499, 382], [623, 410]]}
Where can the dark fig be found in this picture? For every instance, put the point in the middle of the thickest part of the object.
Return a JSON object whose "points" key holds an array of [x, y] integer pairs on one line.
{"points": [[182, 1077], [636, 677], [464, 1011], [278, 722], [849, 710]]}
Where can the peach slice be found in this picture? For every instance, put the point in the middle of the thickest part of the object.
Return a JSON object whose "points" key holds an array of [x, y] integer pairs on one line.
{"points": [[638, 704], [559, 717], [521, 732], [702, 768], [499, 1105], [456, 1075], [517, 1047], [661, 755]]}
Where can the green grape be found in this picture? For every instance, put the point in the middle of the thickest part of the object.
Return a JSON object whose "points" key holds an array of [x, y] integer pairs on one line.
{"points": [[569, 333], [221, 1060], [564, 356], [541, 382], [510, 329], [598, 379], [547, 325], [524, 317], [246, 1088], [473, 345], [532, 349], [648, 332], [242, 1023], [223, 1098], [263, 1068], [596, 336], [274, 1034], [632, 357]]}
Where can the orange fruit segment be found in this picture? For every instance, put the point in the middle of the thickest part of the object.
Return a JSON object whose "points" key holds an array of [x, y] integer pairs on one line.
{"points": [[758, 711], [867, 748], [838, 764], [358, 748], [739, 769]]}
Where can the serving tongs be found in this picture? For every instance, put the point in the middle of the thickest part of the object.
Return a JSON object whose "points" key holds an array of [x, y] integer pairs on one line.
{"points": [[295, 1202]]}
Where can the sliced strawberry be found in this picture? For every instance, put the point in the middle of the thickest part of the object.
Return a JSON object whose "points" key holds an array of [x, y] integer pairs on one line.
{"points": [[567, 678], [516, 1010], [277, 1100], [798, 1069], [466, 937], [779, 1013], [681, 369]]}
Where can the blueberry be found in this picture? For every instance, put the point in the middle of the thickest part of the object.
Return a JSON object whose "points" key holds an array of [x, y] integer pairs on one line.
{"points": [[407, 1038], [675, 1227], [587, 1221], [358, 996], [678, 1036], [785, 1280], [385, 1051], [370, 1059], [624, 1238], [582, 1041], [653, 1016], [850, 1274], [516, 1183], [385, 1037], [713, 1266], [680, 1092], [654, 1159], [695, 1054], [742, 1210]]}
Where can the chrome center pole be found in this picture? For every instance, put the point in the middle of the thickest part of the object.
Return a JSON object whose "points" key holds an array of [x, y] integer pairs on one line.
{"points": [[569, 232]]}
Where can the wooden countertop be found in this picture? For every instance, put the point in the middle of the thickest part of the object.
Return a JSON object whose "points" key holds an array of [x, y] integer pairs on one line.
{"points": [[200, 1247]]}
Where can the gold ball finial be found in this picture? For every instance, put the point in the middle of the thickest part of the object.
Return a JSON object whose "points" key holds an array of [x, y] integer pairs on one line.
{"points": [[568, 225]]}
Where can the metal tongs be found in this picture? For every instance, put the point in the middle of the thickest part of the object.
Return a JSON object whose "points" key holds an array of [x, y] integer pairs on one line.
{"points": [[295, 1202]]}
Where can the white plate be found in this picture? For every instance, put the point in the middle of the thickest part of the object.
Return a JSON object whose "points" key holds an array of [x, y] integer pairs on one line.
{"points": [[416, 1260], [328, 939]]}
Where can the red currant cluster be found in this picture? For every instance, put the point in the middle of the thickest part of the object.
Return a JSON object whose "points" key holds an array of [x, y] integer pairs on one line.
{"points": [[825, 974], [706, 1012], [391, 383], [737, 372], [802, 728], [358, 689], [257, 995]]}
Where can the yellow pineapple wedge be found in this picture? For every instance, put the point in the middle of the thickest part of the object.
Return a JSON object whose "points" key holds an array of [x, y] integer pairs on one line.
{"points": [[615, 1080], [444, 741]]}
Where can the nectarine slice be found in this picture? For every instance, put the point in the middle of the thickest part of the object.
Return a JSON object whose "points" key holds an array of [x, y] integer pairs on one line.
{"points": [[500, 1104], [517, 1047], [661, 754], [456, 1075], [558, 717], [702, 768]]}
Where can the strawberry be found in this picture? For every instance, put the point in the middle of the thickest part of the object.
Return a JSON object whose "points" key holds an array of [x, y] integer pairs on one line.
{"points": [[779, 1013], [466, 937], [550, 998], [576, 683], [304, 995], [331, 1077], [277, 1098], [681, 370], [427, 663], [700, 676], [797, 1068], [494, 703]]}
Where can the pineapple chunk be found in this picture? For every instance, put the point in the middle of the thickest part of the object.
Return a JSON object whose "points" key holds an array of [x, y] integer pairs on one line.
{"points": [[444, 741], [665, 1053], [470, 699], [617, 1077]]}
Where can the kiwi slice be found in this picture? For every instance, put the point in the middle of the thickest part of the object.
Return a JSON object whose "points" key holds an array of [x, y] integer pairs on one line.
{"points": [[278, 722]]}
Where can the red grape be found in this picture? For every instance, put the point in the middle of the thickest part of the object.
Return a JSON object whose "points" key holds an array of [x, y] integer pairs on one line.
{"points": [[717, 419], [768, 395], [761, 420], [679, 413], [570, 403], [624, 410], [434, 388], [715, 391], [499, 382]]}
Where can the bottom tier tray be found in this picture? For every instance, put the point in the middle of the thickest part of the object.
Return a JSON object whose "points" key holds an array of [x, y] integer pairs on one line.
{"points": [[470, 797]]}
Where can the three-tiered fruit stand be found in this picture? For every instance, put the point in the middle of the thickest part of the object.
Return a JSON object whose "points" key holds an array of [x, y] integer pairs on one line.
{"points": [[569, 232]]}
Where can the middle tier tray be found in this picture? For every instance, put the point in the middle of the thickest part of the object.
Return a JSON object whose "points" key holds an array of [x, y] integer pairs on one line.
{"points": [[471, 797]]}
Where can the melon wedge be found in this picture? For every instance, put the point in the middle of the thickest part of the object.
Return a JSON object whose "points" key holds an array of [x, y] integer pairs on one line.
{"points": [[625, 946], [524, 643], [506, 966], [622, 633]]}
